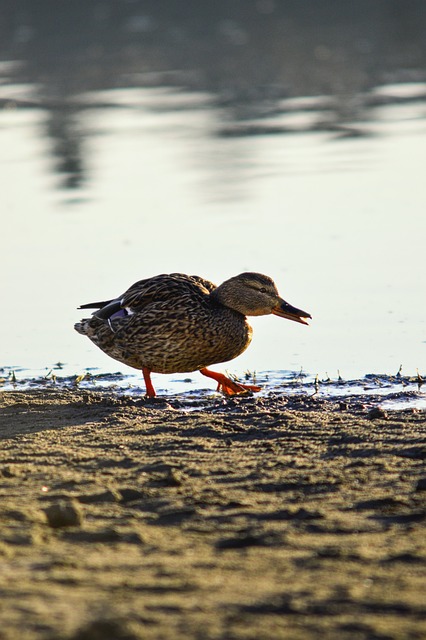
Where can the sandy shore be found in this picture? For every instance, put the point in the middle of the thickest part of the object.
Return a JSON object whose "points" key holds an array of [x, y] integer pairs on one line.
{"points": [[255, 518]]}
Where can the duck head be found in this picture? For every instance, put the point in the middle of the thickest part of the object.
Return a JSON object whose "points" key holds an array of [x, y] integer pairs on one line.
{"points": [[254, 294]]}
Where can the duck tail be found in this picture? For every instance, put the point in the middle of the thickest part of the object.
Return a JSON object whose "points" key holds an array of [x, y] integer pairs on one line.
{"points": [[104, 309], [90, 327], [95, 305], [81, 327]]}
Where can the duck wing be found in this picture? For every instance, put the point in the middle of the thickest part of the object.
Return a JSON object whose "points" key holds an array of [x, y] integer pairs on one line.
{"points": [[166, 288]]}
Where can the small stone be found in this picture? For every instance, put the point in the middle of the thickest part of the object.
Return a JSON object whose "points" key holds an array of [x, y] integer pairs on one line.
{"points": [[128, 494], [23, 538], [5, 550], [376, 413], [105, 496], [9, 472], [421, 484], [64, 514], [107, 535], [174, 478], [111, 629]]}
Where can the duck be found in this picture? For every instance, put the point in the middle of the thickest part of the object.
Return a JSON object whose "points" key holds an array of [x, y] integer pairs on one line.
{"points": [[178, 323]]}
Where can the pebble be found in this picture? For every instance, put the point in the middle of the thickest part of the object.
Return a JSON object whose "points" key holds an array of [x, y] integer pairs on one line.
{"points": [[64, 514], [421, 484], [377, 412]]}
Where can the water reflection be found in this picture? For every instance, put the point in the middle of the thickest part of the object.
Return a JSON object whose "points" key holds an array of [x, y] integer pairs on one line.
{"points": [[250, 57]]}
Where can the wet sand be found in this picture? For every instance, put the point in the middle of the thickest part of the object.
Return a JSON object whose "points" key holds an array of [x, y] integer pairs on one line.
{"points": [[252, 518]]}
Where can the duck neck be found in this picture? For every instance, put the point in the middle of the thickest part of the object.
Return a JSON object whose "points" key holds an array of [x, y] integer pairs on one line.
{"points": [[223, 295]]}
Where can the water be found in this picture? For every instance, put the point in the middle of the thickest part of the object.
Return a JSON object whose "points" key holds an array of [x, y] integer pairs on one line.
{"points": [[137, 163]]}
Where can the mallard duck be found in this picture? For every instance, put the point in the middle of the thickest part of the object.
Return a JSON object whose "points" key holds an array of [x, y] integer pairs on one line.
{"points": [[178, 323]]}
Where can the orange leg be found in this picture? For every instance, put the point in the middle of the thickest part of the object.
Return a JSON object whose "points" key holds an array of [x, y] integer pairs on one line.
{"points": [[229, 387], [150, 391]]}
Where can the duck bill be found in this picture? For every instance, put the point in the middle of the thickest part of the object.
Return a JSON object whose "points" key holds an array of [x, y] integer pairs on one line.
{"points": [[285, 310]]}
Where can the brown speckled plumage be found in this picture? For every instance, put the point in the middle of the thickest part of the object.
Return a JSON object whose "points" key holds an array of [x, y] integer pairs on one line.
{"points": [[179, 323]]}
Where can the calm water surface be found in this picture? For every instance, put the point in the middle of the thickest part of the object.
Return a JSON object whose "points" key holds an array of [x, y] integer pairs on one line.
{"points": [[114, 184]]}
